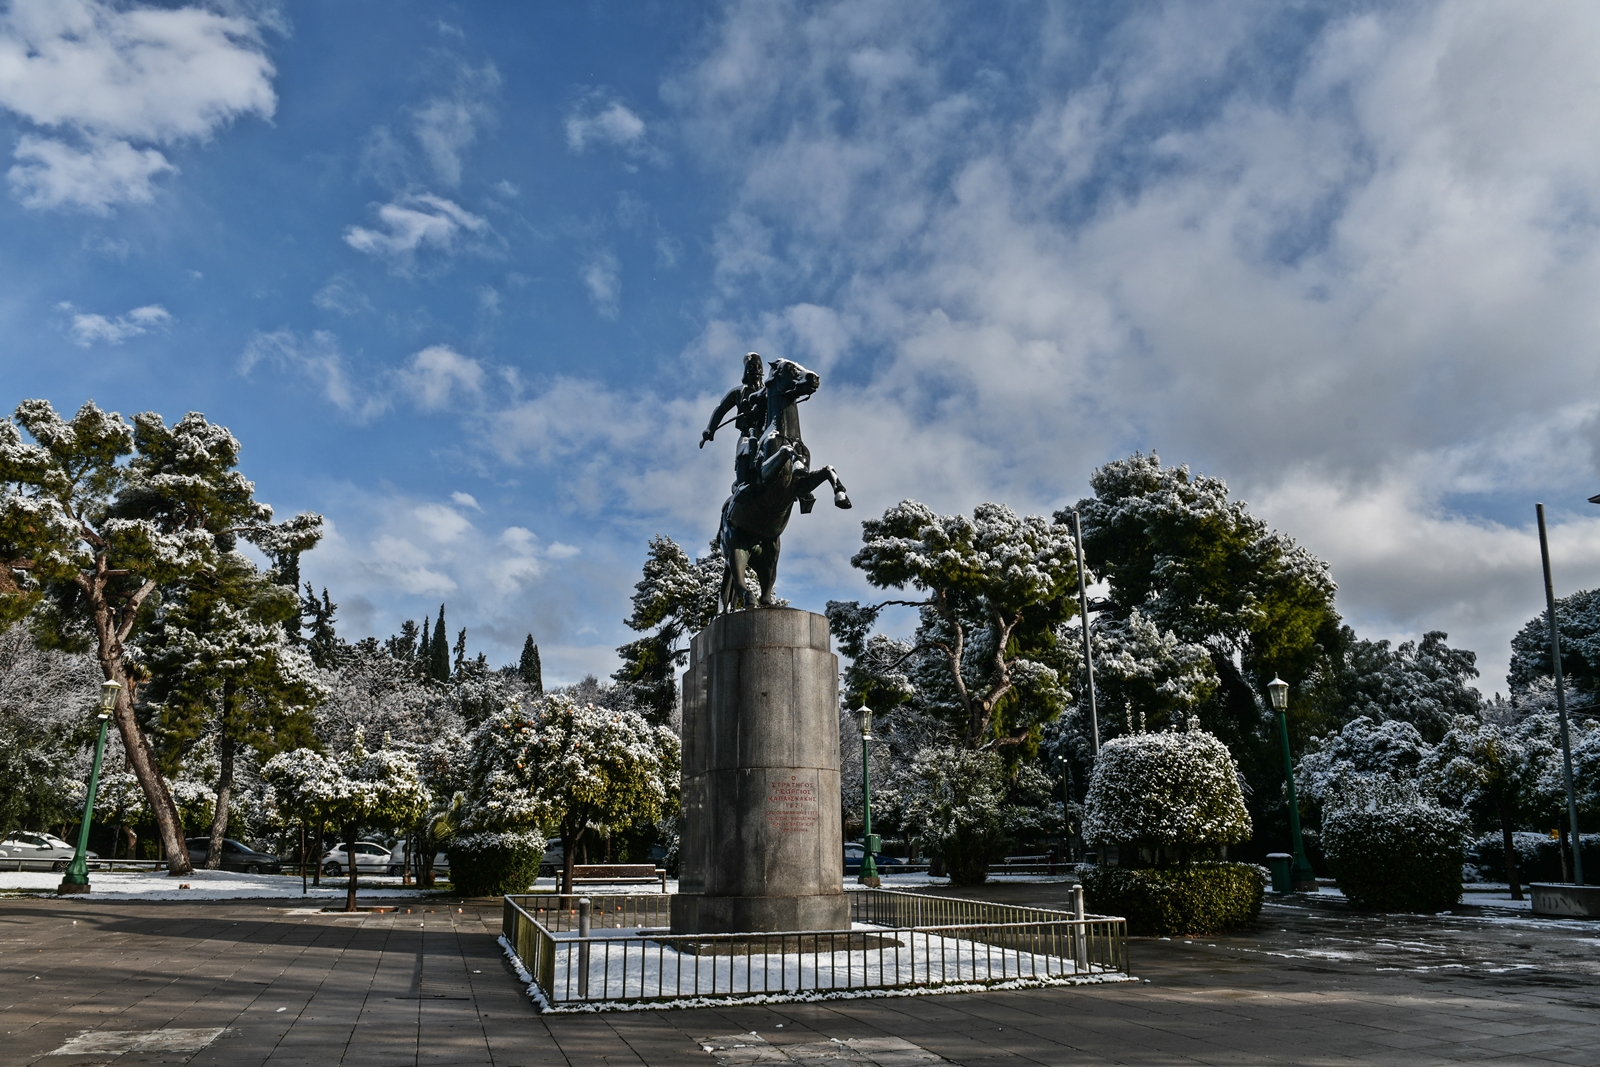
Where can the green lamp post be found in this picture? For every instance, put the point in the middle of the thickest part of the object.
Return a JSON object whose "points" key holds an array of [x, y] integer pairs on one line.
{"points": [[870, 842], [76, 880], [1301, 876]]}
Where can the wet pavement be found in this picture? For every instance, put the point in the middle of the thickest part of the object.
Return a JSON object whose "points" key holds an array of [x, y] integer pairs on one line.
{"points": [[246, 982]]}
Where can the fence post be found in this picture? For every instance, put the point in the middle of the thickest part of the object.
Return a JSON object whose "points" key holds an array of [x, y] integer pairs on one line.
{"points": [[1080, 948], [584, 908]]}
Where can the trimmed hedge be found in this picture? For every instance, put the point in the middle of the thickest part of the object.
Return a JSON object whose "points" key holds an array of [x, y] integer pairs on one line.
{"points": [[1200, 898], [494, 870], [1392, 852]]}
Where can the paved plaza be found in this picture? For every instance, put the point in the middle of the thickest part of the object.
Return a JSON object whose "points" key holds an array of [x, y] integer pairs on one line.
{"points": [[241, 983]]}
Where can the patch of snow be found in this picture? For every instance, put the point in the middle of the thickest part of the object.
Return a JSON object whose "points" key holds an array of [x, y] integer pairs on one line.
{"points": [[204, 885]]}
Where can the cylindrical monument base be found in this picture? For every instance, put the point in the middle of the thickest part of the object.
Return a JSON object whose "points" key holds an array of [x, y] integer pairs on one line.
{"points": [[762, 847]]}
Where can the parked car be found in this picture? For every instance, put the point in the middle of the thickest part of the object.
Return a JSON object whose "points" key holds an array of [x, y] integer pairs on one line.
{"points": [[39, 851], [552, 859], [235, 856], [371, 858], [854, 851]]}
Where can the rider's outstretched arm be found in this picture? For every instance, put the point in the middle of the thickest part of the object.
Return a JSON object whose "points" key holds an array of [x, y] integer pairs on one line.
{"points": [[726, 404]]}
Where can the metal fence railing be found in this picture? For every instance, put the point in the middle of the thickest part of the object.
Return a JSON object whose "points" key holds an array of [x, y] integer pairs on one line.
{"points": [[617, 950]]}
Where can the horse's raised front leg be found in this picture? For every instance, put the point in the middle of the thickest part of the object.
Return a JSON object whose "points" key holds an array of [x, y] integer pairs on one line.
{"points": [[841, 499]]}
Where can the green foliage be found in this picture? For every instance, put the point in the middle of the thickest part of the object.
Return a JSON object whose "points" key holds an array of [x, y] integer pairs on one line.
{"points": [[1393, 849], [439, 651], [529, 667], [676, 598], [1578, 622], [1168, 791], [966, 805], [1200, 898], [987, 658], [479, 870], [1426, 684]]}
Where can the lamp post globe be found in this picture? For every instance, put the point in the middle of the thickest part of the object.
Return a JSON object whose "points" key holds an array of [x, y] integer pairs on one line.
{"points": [[76, 880], [870, 842], [1301, 875]]}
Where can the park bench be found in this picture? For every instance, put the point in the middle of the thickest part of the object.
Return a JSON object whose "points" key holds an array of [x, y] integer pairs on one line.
{"points": [[616, 874]]}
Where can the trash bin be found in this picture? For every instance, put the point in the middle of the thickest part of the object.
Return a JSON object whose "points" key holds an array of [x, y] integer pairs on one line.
{"points": [[1280, 863]]}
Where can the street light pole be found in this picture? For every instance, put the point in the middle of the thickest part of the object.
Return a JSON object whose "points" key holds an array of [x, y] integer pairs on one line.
{"points": [[1561, 699], [76, 880], [870, 842], [1301, 876], [1083, 612]]}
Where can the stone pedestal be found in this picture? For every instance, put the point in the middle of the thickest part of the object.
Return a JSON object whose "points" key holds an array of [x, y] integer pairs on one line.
{"points": [[762, 847]]}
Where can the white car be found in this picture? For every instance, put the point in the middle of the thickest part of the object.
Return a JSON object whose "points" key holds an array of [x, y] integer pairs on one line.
{"points": [[371, 858], [38, 851]]}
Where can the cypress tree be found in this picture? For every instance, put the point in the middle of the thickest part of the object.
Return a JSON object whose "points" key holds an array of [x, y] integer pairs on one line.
{"points": [[424, 659], [439, 662], [461, 651], [529, 668]]}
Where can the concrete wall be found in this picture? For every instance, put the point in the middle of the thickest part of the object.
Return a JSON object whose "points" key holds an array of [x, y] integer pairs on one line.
{"points": [[762, 845]]}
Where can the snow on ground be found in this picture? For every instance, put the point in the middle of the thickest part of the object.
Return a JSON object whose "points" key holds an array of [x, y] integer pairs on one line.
{"points": [[203, 885]]}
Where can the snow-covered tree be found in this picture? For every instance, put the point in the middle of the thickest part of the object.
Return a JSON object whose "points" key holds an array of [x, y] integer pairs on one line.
{"points": [[360, 788], [1363, 750], [1168, 793], [1578, 622], [1484, 768], [1427, 683], [676, 598], [598, 768], [966, 804], [223, 668], [987, 657], [1393, 847], [47, 702], [494, 829], [1144, 670], [529, 667], [96, 516]]}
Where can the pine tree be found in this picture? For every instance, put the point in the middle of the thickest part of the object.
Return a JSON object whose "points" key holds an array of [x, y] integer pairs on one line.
{"points": [[530, 669], [322, 641], [439, 651]]}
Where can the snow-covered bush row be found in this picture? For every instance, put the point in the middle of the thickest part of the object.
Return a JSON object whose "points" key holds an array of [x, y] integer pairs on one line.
{"points": [[1392, 848], [1169, 791]]}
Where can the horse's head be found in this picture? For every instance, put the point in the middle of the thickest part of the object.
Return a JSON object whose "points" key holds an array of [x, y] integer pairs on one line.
{"points": [[790, 381]]}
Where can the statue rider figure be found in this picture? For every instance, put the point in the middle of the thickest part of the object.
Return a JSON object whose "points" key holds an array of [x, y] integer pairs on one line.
{"points": [[750, 399]]}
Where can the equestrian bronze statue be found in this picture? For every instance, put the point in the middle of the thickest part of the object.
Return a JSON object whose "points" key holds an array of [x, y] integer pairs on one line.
{"points": [[771, 473]]}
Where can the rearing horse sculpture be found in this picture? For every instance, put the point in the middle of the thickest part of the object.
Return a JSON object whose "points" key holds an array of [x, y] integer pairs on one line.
{"points": [[754, 516]]}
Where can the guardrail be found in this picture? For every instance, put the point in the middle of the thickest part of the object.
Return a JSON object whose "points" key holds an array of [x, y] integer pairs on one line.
{"points": [[613, 953]]}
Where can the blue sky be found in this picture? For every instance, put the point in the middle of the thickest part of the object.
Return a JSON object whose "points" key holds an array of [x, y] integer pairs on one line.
{"points": [[468, 278]]}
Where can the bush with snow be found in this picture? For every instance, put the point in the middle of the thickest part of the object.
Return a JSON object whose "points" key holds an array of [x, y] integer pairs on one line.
{"points": [[1199, 898], [1168, 793], [1392, 848], [1363, 750], [494, 840]]}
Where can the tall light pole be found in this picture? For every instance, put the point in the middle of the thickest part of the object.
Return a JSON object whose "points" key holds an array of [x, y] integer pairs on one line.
{"points": [[1561, 699], [1083, 611], [1301, 876], [76, 880], [870, 842]]}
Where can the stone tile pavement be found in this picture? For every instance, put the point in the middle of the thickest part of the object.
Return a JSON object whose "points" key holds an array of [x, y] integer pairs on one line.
{"points": [[85, 982]]}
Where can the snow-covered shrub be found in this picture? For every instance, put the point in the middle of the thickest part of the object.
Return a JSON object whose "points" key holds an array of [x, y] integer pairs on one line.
{"points": [[961, 802], [1200, 898], [1393, 849], [1165, 792], [495, 843]]}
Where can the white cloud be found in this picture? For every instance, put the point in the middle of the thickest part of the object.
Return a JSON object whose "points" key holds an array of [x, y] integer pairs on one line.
{"points": [[87, 329], [317, 357], [109, 78], [599, 120], [602, 277], [446, 126], [437, 375], [339, 294], [413, 222], [466, 500]]}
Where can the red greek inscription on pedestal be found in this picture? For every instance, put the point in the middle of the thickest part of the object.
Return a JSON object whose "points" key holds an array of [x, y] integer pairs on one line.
{"points": [[791, 806]]}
